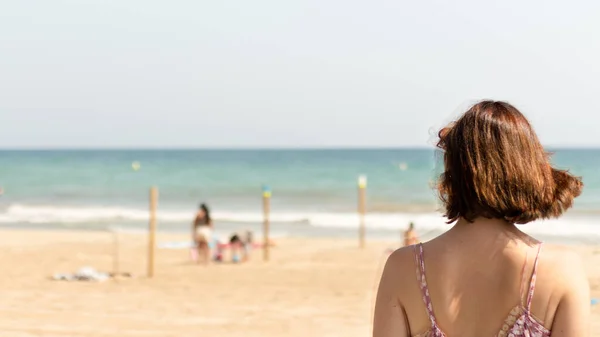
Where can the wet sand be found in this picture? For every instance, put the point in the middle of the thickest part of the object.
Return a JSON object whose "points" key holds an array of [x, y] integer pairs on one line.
{"points": [[311, 287]]}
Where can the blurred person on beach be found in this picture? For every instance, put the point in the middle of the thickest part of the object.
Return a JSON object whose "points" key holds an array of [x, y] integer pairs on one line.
{"points": [[410, 236], [202, 229], [484, 276], [239, 243]]}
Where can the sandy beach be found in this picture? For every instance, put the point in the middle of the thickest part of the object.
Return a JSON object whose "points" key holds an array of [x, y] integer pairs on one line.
{"points": [[311, 287]]}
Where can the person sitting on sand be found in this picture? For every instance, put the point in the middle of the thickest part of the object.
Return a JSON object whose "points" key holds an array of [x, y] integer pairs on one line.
{"points": [[484, 276], [237, 242], [410, 237], [243, 243], [202, 229]]}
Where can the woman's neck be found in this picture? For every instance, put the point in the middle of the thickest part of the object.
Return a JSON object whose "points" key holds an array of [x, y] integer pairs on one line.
{"points": [[488, 231]]}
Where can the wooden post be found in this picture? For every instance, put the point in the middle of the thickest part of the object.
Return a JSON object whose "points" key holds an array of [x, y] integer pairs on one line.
{"points": [[152, 230], [115, 253], [266, 223], [362, 189]]}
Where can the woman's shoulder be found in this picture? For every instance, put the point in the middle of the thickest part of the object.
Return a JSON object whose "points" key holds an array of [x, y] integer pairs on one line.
{"points": [[562, 276], [401, 260], [561, 259], [563, 266], [403, 255]]}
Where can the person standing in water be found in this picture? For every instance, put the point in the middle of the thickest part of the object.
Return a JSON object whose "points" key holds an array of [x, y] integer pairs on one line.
{"points": [[202, 229], [410, 237]]}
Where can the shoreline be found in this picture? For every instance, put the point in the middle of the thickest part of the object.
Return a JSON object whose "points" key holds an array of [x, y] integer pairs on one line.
{"points": [[290, 230]]}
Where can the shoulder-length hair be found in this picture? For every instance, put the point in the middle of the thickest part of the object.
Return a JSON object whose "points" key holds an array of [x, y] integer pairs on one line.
{"points": [[495, 167]]}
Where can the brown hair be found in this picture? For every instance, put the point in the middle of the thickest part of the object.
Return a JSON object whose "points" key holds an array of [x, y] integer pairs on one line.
{"points": [[495, 167]]}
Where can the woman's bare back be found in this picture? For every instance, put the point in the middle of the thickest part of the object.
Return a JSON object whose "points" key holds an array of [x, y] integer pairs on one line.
{"points": [[476, 275]]}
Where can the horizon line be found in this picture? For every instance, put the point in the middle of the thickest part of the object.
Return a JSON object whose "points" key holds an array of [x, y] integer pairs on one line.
{"points": [[262, 148]]}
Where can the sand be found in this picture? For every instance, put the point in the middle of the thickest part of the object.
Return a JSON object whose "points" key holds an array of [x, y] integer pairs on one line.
{"points": [[311, 287]]}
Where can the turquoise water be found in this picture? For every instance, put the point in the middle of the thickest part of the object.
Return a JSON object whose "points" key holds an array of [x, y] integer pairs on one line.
{"points": [[231, 179], [314, 187]]}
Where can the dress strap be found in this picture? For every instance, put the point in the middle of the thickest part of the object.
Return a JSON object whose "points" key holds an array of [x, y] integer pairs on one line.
{"points": [[533, 278], [418, 250]]}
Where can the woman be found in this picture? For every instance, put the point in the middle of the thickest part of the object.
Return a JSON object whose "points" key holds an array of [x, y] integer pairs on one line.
{"points": [[484, 277], [410, 237], [202, 232]]}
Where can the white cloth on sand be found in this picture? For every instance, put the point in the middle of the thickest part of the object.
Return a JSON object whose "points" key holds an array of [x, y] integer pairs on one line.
{"points": [[83, 274]]}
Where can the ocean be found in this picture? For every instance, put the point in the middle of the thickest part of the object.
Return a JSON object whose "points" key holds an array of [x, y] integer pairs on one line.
{"points": [[314, 192]]}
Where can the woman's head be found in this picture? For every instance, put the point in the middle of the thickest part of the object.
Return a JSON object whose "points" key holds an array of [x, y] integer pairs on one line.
{"points": [[204, 211], [495, 167]]}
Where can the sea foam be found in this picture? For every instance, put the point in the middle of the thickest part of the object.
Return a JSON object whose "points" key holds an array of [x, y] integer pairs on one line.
{"points": [[568, 226]]}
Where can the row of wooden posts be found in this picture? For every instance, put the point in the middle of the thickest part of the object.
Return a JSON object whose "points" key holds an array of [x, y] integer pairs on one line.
{"points": [[266, 196]]}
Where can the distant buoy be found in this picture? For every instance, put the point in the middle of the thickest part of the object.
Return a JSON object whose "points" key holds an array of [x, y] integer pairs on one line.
{"points": [[403, 166], [135, 165]]}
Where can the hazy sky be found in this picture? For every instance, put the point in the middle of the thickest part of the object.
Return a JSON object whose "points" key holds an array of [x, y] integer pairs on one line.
{"points": [[290, 73]]}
